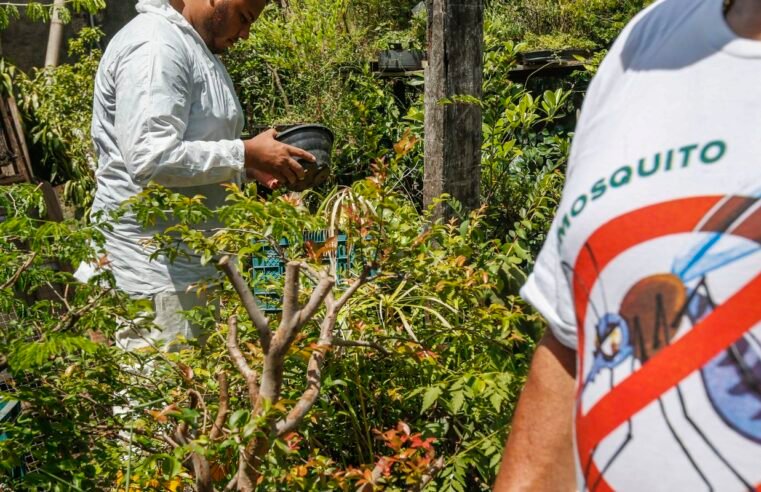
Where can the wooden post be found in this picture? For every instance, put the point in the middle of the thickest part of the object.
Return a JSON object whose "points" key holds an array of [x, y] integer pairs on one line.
{"points": [[55, 38], [453, 135]]}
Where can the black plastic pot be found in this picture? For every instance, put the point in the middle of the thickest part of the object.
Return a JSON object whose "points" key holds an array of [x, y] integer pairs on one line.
{"points": [[318, 141], [397, 59]]}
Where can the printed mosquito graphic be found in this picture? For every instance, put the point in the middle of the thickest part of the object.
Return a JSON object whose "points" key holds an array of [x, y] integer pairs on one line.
{"points": [[654, 309]]}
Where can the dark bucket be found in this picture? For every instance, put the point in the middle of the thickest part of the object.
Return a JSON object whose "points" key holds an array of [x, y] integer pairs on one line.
{"points": [[318, 141]]}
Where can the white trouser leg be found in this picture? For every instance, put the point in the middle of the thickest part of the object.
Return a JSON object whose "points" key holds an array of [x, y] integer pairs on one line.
{"points": [[171, 327]]}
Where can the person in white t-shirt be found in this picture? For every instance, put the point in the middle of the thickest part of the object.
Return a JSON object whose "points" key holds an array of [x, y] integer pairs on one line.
{"points": [[650, 375], [165, 110]]}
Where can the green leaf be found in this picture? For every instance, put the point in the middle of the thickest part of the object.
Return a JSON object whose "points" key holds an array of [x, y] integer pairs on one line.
{"points": [[458, 398], [429, 398], [239, 418], [170, 467]]}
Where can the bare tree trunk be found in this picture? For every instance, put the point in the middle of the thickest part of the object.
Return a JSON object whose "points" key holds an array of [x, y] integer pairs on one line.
{"points": [[55, 39], [453, 135]]}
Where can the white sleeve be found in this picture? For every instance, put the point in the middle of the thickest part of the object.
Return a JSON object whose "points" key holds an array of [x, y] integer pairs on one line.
{"points": [[548, 291], [153, 100], [547, 288]]}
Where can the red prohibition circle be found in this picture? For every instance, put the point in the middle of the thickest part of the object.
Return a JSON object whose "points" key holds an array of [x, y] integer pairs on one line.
{"points": [[723, 327]]}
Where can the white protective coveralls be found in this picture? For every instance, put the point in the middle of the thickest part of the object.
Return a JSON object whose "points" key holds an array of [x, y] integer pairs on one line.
{"points": [[165, 110]]}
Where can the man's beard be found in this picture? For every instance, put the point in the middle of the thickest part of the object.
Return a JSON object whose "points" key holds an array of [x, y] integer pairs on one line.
{"points": [[214, 25]]}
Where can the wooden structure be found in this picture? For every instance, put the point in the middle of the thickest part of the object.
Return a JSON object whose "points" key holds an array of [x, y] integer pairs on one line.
{"points": [[453, 135], [547, 63], [15, 165]]}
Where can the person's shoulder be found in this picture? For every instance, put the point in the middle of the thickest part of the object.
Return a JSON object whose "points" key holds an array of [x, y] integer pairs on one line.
{"points": [[659, 16], [661, 30], [146, 30], [657, 25]]}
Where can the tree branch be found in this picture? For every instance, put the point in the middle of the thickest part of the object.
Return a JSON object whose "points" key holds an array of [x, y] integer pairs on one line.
{"points": [[249, 301], [24, 267], [276, 76], [239, 360], [224, 407], [72, 317], [294, 318], [310, 395], [356, 343], [362, 280], [314, 376], [170, 441], [231, 484], [319, 294], [430, 473], [310, 272], [290, 303]]}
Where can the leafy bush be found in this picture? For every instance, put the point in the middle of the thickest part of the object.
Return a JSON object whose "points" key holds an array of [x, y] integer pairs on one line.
{"points": [[429, 342], [553, 24], [57, 104], [43, 12], [314, 66]]}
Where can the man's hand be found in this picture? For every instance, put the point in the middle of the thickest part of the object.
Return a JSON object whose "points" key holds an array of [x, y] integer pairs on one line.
{"points": [[272, 162]]}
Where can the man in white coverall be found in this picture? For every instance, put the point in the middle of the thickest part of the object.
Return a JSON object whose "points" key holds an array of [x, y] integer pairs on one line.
{"points": [[649, 378], [165, 110]]}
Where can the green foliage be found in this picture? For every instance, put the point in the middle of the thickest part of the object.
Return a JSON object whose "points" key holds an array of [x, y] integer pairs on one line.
{"points": [[314, 66], [454, 347], [563, 24], [52, 334], [43, 12], [57, 104]]}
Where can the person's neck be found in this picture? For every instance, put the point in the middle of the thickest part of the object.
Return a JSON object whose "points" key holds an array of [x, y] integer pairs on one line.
{"points": [[744, 18], [183, 7]]}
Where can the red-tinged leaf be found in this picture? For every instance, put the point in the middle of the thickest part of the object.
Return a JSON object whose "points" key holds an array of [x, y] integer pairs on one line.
{"points": [[103, 261], [330, 246], [218, 472], [407, 453], [292, 199], [162, 415], [186, 371], [311, 252], [386, 464], [98, 337]]}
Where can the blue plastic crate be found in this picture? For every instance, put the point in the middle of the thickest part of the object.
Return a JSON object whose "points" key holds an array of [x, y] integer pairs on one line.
{"points": [[9, 410], [271, 267]]}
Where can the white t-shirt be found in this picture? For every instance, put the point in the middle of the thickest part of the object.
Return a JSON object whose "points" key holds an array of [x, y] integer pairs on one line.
{"points": [[165, 110], [652, 268]]}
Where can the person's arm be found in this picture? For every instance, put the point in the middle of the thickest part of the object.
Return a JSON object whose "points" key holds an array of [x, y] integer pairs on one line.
{"points": [[538, 455], [153, 99]]}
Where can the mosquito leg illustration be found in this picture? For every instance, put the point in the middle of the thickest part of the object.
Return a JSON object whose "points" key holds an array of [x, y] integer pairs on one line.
{"points": [[591, 458], [681, 445], [588, 467], [622, 446], [754, 337], [749, 378], [708, 441], [619, 450]]}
